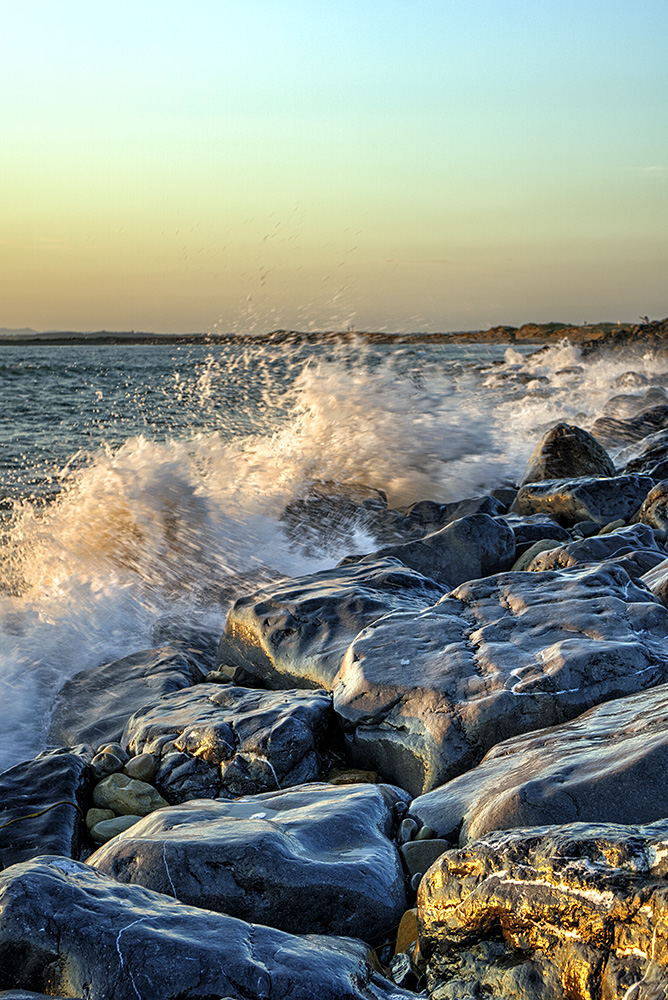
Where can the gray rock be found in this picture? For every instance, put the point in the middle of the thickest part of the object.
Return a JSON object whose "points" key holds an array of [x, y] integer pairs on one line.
{"points": [[143, 767], [654, 508], [295, 633], [103, 764], [94, 705], [28, 995], [42, 805], [126, 796], [65, 925], [424, 696], [634, 547], [314, 859], [419, 855], [571, 500], [566, 451], [106, 829], [565, 911], [533, 528], [522, 564], [650, 457], [606, 766], [611, 431], [427, 516], [256, 740], [466, 549], [327, 516], [656, 580]]}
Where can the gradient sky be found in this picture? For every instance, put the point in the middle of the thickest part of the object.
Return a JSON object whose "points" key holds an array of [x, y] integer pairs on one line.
{"points": [[403, 165]]}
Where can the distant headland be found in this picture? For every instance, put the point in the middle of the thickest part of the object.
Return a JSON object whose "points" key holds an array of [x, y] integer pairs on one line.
{"points": [[588, 335]]}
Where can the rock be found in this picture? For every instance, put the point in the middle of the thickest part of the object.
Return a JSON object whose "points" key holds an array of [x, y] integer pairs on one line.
{"points": [[143, 767], [427, 516], [67, 926], [352, 776], [635, 548], [611, 431], [571, 500], [95, 816], [116, 749], [424, 696], [419, 855], [526, 559], [94, 705], [567, 911], [198, 643], [407, 830], [587, 529], [606, 766], [656, 581], [105, 763], [465, 549], [106, 829], [327, 517], [42, 804], [313, 859], [534, 528], [244, 739], [408, 930], [127, 796], [567, 451], [654, 508], [295, 633], [650, 457], [625, 405], [28, 995]]}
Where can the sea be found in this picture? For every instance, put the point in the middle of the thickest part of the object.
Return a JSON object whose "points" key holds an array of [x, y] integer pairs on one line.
{"points": [[144, 484]]}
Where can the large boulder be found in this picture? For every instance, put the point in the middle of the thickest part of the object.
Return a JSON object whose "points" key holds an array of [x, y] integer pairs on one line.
{"points": [[42, 803], [68, 929], [567, 451], [569, 501], [606, 766], [94, 705], [635, 548], [466, 549], [294, 634], [424, 696], [241, 740], [573, 911], [316, 859], [612, 431]]}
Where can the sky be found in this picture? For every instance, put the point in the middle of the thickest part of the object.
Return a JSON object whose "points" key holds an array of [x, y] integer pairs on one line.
{"points": [[249, 165]]}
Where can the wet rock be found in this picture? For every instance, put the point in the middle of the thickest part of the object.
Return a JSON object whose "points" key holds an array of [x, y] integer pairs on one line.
{"points": [[329, 514], [107, 829], [408, 930], [656, 580], [626, 405], [126, 796], [313, 859], [635, 548], [427, 516], [522, 564], [94, 705], [42, 803], [654, 508], [105, 763], [352, 776], [254, 740], [567, 451], [611, 431], [181, 777], [607, 765], [534, 528], [466, 549], [95, 816], [568, 911], [651, 456], [198, 643], [295, 633], [143, 767], [571, 500], [419, 855], [424, 696], [65, 926], [28, 995]]}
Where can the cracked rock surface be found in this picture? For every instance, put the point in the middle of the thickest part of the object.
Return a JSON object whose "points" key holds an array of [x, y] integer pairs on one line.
{"points": [[576, 911], [314, 859], [424, 696], [73, 931]]}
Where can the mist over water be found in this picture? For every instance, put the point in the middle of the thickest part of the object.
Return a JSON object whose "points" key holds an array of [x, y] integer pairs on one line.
{"points": [[148, 482]]}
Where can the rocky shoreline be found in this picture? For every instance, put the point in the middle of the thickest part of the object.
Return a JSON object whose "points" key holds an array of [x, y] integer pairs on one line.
{"points": [[590, 336], [436, 769]]}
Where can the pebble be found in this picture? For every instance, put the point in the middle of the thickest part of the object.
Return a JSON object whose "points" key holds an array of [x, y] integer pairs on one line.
{"points": [[127, 796], [407, 830], [108, 828], [425, 833], [353, 776], [408, 930], [116, 749], [95, 816], [613, 526], [143, 767], [105, 763]]}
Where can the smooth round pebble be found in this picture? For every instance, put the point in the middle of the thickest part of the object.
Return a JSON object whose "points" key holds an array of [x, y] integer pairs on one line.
{"points": [[425, 833], [116, 749], [105, 763], [95, 816], [127, 796], [407, 830], [143, 767], [108, 828]]}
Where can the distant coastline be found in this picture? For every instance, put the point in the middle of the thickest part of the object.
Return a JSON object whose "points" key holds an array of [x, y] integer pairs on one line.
{"points": [[590, 335]]}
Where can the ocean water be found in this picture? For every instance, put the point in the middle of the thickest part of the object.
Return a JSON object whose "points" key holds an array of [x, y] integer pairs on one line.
{"points": [[145, 483]]}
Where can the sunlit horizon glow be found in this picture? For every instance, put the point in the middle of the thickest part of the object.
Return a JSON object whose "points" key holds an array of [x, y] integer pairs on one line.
{"points": [[246, 166]]}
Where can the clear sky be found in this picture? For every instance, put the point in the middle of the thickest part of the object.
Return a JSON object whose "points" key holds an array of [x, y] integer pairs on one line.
{"points": [[191, 165]]}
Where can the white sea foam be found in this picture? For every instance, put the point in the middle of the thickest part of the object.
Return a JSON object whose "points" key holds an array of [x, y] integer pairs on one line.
{"points": [[181, 525]]}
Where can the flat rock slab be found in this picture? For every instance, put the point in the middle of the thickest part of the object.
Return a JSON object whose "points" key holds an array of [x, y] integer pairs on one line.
{"points": [[42, 804], [251, 740], [72, 930], [569, 501], [424, 696], [316, 859], [468, 548], [294, 634], [634, 547], [93, 706], [575, 911], [606, 766]]}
